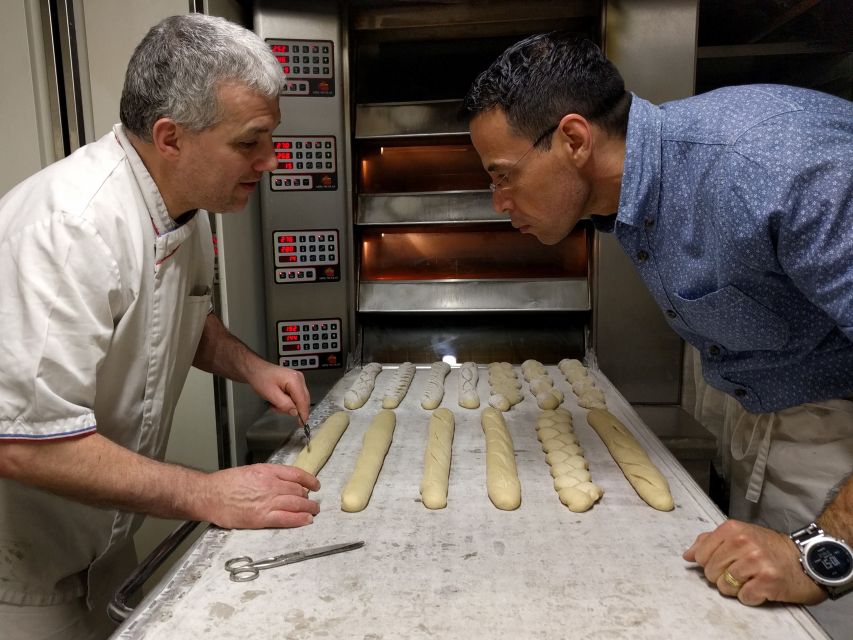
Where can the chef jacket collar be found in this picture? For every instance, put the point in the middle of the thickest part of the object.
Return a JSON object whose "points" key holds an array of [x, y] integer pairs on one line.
{"points": [[160, 218]]}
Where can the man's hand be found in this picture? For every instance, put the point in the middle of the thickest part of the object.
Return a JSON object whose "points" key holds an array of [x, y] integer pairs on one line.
{"points": [[765, 562], [258, 496], [283, 388]]}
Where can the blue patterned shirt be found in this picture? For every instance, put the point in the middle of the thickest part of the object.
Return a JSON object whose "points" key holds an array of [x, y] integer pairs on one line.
{"points": [[737, 211]]}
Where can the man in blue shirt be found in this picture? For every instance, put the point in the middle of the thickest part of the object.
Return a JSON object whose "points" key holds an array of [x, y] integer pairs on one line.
{"points": [[736, 208]]}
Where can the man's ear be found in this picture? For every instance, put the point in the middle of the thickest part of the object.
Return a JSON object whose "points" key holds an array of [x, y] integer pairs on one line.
{"points": [[167, 138], [576, 135]]}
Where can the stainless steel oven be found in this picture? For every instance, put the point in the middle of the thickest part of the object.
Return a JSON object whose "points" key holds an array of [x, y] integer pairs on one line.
{"points": [[379, 239]]}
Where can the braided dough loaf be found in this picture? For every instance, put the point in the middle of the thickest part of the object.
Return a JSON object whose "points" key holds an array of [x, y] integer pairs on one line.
{"points": [[314, 456], [643, 475], [468, 378], [501, 473], [361, 389], [377, 441], [437, 460], [396, 389], [434, 389], [572, 480], [505, 386]]}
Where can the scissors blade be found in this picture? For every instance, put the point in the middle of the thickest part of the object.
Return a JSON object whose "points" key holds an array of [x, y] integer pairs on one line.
{"points": [[317, 552], [305, 428]]}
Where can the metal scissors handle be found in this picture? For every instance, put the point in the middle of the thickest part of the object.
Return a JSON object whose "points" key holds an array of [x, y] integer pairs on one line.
{"points": [[244, 569]]}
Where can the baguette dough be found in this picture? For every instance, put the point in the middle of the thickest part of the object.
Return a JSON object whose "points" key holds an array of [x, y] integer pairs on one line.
{"points": [[396, 389], [437, 460], [643, 475], [434, 388], [361, 389], [323, 443], [468, 378], [501, 473], [377, 441]]}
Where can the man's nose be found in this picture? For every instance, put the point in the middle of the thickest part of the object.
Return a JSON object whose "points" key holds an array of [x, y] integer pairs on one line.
{"points": [[501, 203], [266, 161]]}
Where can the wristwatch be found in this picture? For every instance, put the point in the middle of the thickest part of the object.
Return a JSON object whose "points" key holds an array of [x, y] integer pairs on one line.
{"points": [[826, 560]]}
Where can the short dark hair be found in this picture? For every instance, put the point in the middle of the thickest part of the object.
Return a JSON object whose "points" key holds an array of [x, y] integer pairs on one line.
{"points": [[542, 78]]}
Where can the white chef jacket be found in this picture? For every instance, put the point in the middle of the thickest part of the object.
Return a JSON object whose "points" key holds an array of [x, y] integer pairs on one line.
{"points": [[104, 299]]}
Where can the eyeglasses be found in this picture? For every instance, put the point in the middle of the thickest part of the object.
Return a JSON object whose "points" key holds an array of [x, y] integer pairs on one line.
{"points": [[499, 185]]}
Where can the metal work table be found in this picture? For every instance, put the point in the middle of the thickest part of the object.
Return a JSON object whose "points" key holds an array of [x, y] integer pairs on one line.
{"points": [[469, 570]]}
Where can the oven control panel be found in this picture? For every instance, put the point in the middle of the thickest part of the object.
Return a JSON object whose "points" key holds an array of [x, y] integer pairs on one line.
{"points": [[308, 66], [305, 163], [311, 255], [310, 344]]}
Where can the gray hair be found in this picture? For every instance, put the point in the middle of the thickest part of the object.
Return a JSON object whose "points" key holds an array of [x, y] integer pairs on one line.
{"points": [[177, 68]]}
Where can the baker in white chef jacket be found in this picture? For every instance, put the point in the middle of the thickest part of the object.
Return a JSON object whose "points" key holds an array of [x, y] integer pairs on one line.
{"points": [[106, 268]]}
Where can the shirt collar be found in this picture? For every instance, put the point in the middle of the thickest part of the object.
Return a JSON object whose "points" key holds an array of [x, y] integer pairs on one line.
{"points": [[160, 218], [638, 198]]}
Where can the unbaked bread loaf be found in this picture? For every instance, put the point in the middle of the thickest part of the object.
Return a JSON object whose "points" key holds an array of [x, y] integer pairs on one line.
{"points": [[468, 377], [377, 441], [399, 385], [434, 388], [501, 473], [326, 436], [643, 475], [361, 389], [437, 460]]}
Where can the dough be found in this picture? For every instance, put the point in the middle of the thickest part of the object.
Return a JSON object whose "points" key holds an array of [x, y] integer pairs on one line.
{"points": [[532, 369], [505, 386], [468, 378], [434, 389], [396, 390], [322, 443], [646, 479], [549, 399], [590, 402], [437, 460], [377, 441], [361, 389], [501, 473], [572, 480]]}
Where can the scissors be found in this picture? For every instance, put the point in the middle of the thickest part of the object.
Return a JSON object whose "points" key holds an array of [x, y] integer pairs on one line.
{"points": [[244, 569]]}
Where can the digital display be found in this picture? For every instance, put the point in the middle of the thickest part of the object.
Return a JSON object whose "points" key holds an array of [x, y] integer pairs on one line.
{"points": [[291, 258], [291, 328], [291, 347], [283, 144], [280, 48], [830, 560], [282, 239], [288, 249], [284, 155], [291, 338]]}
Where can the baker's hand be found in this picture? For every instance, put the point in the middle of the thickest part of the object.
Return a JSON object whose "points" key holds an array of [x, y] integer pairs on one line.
{"points": [[763, 564], [283, 388], [259, 496]]}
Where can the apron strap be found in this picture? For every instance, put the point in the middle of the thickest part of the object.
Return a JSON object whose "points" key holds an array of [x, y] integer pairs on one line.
{"points": [[758, 445]]}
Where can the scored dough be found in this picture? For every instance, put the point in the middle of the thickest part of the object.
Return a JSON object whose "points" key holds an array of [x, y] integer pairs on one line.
{"points": [[313, 457], [437, 460], [377, 441], [434, 388], [643, 475], [468, 378], [396, 389], [361, 389], [501, 473]]}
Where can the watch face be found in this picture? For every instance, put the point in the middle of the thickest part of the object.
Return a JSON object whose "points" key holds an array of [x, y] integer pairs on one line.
{"points": [[830, 560]]}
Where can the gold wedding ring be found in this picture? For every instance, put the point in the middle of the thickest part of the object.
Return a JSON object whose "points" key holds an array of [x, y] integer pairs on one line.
{"points": [[731, 580]]}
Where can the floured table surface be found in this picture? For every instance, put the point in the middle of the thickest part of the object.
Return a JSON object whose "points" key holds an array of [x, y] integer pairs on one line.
{"points": [[469, 570]]}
